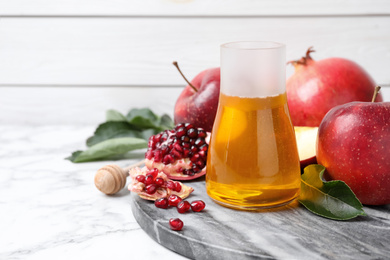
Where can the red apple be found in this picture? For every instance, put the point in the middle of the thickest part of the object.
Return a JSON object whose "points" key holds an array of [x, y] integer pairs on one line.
{"points": [[306, 141], [318, 86], [354, 146], [198, 102]]}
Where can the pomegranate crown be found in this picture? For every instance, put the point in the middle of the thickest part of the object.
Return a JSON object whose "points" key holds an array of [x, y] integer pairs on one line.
{"points": [[304, 60]]}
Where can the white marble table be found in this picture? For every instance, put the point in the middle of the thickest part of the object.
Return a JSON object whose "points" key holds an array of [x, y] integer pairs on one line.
{"points": [[50, 208]]}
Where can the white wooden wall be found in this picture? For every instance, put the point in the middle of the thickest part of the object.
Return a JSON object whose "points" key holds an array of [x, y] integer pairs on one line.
{"points": [[68, 61]]}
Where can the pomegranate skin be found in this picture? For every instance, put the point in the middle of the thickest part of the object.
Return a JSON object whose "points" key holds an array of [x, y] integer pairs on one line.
{"points": [[318, 86]]}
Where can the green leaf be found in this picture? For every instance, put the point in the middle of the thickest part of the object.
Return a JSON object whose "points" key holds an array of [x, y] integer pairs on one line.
{"points": [[73, 156], [113, 115], [332, 199], [143, 118], [108, 148], [113, 129], [166, 122]]}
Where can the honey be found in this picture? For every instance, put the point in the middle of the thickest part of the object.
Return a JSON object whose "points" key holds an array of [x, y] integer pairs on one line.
{"points": [[253, 159]]}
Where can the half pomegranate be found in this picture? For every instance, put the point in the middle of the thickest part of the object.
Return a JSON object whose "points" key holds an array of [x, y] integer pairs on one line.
{"points": [[180, 153], [154, 184]]}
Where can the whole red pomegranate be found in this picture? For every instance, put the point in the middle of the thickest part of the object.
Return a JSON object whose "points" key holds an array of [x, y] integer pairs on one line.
{"points": [[318, 86]]}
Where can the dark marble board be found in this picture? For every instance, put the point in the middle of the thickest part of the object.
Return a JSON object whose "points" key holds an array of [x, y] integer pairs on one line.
{"points": [[290, 232]]}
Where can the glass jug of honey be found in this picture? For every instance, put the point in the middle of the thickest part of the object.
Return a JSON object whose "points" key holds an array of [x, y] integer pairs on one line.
{"points": [[253, 159]]}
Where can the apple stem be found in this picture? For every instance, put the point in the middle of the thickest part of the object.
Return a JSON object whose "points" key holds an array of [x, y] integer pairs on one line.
{"points": [[189, 83], [377, 88]]}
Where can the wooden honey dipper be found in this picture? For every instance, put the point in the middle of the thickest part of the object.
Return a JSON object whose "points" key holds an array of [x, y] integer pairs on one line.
{"points": [[111, 178]]}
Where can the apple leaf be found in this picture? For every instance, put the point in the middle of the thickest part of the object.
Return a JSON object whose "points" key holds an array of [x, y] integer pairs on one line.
{"points": [[329, 199]]}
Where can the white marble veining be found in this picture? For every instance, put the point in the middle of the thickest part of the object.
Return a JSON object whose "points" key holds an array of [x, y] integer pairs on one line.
{"points": [[50, 208]]}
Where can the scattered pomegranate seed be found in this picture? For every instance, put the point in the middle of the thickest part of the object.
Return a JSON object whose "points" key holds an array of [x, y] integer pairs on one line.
{"points": [[176, 224], [198, 205], [173, 200], [140, 178], [159, 182], [161, 203], [183, 206], [151, 188]]}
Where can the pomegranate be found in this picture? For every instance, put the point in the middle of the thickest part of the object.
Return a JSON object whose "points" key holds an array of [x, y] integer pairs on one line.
{"points": [[183, 206], [318, 86], [154, 184], [176, 224], [198, 205], [180, 153]]}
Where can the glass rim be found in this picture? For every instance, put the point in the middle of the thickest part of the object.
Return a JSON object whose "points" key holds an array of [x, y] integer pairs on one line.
{"points": [[252, 45]]}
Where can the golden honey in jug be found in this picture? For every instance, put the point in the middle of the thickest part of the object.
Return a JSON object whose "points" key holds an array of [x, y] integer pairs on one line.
{"points": [[253, 158]]}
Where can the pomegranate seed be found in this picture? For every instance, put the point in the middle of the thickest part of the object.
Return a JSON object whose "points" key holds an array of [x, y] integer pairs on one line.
{"points": [[161, 203], [168, 159], [202, 133], [203, 154], [157, 138], [200, 142], [149, 155], [204, 148], [186, 153], [176, 154], [159, 182], [181, 132], [192, 141], [196, 168], [140, 178], [151, 144], [192, 132], [177, 186], [200, 163], [195, 158], [170, 185], [173, 200], [149, 180], [185, 139], [176, 224], [151, 189], [185, 145], [153, 173], [178, 147], [164, 149], [188, 126], [178, 126], [188, 172], [183, 206], [198, 205], [158, 156], [194, 149]]}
